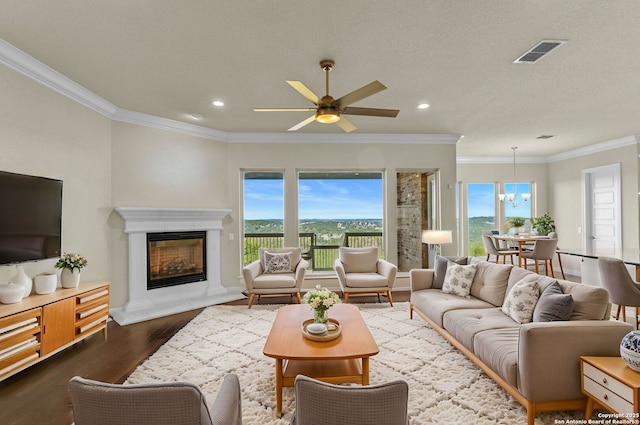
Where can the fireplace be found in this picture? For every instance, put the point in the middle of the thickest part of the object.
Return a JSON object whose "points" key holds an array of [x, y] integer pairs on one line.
{"points": [[176, 258], [186, 245]]}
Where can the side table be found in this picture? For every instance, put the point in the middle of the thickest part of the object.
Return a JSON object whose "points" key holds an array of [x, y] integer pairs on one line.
{"points": [[610, 384]]}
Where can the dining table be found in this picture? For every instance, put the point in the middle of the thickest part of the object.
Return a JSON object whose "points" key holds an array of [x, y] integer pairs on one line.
{"points": [[521, 240]]}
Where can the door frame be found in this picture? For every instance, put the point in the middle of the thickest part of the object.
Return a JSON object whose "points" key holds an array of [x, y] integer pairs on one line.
{"points": [[587, 206]]}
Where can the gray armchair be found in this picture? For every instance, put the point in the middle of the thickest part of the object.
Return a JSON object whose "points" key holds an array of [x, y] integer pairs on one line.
{"points": [[622, 289], [543, 250], [319, 403], [360, 271], [277, 271], [174, 403]]}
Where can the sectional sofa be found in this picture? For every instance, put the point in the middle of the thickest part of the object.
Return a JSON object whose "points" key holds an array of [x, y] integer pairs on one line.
{"points": [[525, 331]]}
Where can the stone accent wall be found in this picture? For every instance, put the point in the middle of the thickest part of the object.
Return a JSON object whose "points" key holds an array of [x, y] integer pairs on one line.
{"points": [[411, 213]]}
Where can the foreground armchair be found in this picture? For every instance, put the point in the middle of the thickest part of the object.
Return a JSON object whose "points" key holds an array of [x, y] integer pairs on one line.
{"points": [[277, 271], [319, 403], [360, 271], [172, 403]]}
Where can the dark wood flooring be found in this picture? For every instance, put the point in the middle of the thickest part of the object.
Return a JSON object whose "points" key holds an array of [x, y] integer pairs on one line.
{"points": [[39, 394]]}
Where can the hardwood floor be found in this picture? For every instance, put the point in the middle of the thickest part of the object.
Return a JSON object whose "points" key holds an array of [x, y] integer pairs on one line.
{"points": [[39, 395]]}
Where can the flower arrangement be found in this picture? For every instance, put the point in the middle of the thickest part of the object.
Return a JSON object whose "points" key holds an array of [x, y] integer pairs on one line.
{"points": [[320, 299], [71, 262]]}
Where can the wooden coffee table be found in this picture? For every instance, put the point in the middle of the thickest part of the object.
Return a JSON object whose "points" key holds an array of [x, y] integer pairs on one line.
{"points": [[345, 359]]}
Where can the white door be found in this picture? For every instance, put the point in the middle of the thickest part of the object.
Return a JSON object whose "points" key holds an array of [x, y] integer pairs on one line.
{"points": [[602, 221]]}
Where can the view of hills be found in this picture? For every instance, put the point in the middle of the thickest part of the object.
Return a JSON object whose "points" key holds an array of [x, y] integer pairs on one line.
{"points": [[328, 232]]}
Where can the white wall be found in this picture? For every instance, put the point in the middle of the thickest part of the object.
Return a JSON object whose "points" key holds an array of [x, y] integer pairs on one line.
{"points": [[43, 133]]}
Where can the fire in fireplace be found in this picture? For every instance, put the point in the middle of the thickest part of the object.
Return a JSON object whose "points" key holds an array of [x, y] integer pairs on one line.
{"points": [[176, 258]]}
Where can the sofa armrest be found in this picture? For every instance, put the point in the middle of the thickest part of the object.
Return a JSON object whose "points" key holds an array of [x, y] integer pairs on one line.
{"points": [[301, 269], [250, 272], [549, 355], [227, 408], [388, 270], [342, 275], [421, 279]]}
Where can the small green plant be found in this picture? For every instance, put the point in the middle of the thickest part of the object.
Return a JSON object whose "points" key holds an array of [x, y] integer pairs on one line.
{"points": [[543, 224], [515, 222]]}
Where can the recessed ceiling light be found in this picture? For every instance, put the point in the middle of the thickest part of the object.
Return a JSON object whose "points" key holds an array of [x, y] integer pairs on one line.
{"points": [[218, 103], [423, 106], [196, 117]]}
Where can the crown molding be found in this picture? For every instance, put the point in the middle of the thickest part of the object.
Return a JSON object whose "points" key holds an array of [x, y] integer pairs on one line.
{"points": [[596, 148], [440, 139], [500, 160], [19, 61]]}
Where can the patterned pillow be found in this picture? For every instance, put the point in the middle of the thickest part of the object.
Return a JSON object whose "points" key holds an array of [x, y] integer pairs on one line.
{"points": [[458, 279], [440, 270], [521, 301], [277, 263]]}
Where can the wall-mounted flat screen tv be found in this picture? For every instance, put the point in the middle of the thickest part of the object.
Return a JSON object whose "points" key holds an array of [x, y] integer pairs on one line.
{"points": [[30, 218]]}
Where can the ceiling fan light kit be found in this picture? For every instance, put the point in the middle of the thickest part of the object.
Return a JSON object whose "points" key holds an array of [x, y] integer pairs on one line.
{"points": [[329, 110]]}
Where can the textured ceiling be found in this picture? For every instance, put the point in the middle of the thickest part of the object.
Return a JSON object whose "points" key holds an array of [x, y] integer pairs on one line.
{"points": [[172, 58]]}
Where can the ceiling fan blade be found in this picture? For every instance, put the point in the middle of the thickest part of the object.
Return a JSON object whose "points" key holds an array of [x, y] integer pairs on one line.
{"points": [[284, 109], [346, 125], [373, 112], [359, 94], [305, 91], [303, 123]]}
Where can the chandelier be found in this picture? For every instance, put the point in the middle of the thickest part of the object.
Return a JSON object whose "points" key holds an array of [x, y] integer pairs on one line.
{"points": [[512, 197]]}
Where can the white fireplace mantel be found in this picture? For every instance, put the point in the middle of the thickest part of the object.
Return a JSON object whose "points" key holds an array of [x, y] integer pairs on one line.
{"points": [[144, 304]]}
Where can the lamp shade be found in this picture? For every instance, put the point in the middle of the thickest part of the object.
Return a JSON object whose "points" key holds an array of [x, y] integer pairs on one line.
{"points": [[436, 236]]}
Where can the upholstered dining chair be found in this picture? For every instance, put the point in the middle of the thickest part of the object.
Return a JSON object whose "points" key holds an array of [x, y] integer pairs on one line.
{"points": [[491, 249], [172, 403], [623, 290], [277, 271], [360, 271], [319, 403], [543, 250], [554, 235]]}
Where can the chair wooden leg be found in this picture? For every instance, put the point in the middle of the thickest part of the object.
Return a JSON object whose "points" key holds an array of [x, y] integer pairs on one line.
{"points": [[346, 297], [536, 263], [379, 300], [637, 314], [560, 262], [624, 313], [390, 299], [553, 273], [251, 297], [298, 297], [488, 255], [618, 312]]}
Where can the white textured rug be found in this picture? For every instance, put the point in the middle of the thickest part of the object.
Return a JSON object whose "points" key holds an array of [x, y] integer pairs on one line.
{"points": [[444, 386]]}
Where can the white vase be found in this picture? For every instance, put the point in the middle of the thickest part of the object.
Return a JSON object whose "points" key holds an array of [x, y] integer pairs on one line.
{"points": [[45, 283], [70, 279], [11, 293], [22, 279]]}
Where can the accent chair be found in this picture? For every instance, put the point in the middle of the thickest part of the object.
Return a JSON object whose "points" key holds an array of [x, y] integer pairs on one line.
{"points": [[100, 403], [622, 289], [277, 271], [543, 250], [360, 271], [319, 403]]}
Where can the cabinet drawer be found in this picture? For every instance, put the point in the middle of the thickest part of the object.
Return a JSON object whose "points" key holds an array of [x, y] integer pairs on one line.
{"points": [[609, 383], [607, 397], [9, 322], [89, 297]]}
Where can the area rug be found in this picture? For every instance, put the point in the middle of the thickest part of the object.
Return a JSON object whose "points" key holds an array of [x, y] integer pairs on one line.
{"points": [[444, 386]]}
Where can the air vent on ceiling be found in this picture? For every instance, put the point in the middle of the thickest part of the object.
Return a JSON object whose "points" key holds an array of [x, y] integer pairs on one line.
{"points": [[539, 51]]}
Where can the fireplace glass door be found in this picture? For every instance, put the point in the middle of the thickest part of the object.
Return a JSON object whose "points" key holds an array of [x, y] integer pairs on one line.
{"points": [[175, 258]]}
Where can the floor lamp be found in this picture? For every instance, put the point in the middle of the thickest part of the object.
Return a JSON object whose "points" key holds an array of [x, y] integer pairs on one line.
{"points": [[434, 239]]}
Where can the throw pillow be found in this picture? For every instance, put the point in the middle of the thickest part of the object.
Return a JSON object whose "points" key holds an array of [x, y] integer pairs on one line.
{"points": [[441, 269], [277, 263], [458, 279], [521, 301], [553, 305]]}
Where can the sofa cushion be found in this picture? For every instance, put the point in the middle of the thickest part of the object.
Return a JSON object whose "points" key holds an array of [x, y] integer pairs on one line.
{"points": [[521, 301], [490, 282], [553, 305], [359, 260], [458, 279], [434, 303], [589, 302], [441, 269], [277, 262], [275, 280], [498, 349], [464, 324]]}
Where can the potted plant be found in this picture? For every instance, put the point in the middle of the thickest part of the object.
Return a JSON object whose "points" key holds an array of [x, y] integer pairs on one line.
{"points": [[71, 264], [543, 224], [515, 223]]}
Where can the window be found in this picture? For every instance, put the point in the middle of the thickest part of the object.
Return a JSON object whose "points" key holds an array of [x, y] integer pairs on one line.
{"points": [[338, 209], [523, 209], [263, 212], [481, 214]]}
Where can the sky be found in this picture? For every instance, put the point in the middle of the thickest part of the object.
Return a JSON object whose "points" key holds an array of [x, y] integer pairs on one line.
{"points": [[318, 199]]}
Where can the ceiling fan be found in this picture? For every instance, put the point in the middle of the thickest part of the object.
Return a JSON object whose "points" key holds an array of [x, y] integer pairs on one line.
{"points": [[329, 110]]}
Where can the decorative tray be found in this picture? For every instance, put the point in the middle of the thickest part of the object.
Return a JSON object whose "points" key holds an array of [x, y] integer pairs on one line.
{"points": [[329, 335]]}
